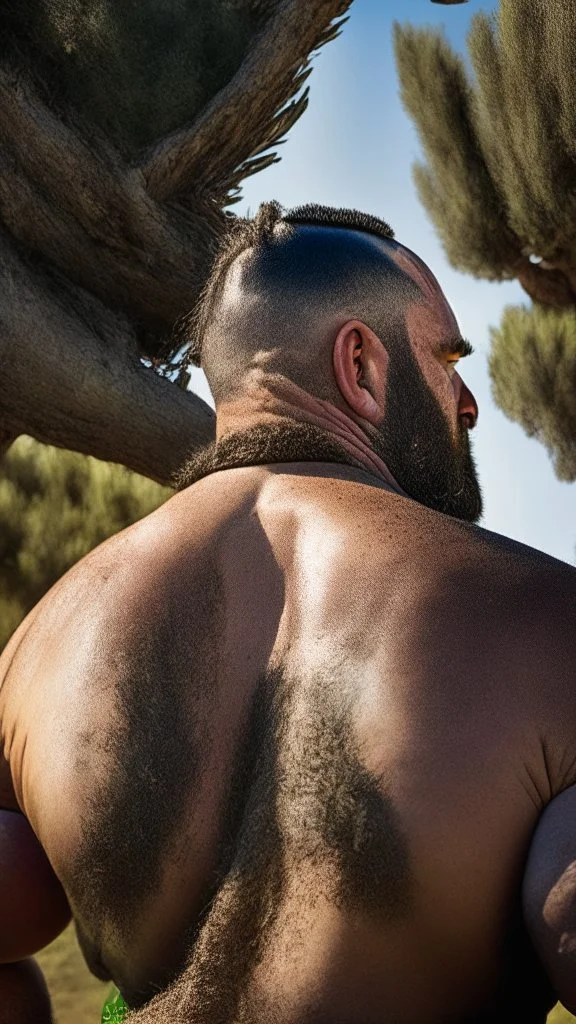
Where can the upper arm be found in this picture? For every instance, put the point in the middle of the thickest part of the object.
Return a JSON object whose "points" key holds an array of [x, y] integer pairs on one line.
{"points": [[33, 907], [549, 894]]}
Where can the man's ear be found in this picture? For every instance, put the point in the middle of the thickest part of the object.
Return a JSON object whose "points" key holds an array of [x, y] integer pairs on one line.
{"points": [[360, 364]]}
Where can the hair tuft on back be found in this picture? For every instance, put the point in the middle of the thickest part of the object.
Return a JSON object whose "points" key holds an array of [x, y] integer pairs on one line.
{"points": [[266, 219]]}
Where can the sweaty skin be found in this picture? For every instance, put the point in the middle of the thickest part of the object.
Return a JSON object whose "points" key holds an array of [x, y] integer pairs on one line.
{"points": [[447, 646], [295, 730]]}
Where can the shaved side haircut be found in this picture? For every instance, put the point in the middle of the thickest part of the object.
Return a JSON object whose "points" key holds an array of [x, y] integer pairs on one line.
{"points": [[282, 286], [280, 280]]}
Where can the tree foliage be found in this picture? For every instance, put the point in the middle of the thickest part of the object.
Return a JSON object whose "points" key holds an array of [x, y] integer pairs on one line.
{"points": [[455, 184], [498, 178], [532, 366], [55, 506]]}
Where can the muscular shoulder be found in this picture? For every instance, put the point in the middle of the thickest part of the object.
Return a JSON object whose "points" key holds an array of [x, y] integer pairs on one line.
{"points": [[455, 591], [379, 542], [532, 594], [509, 600], [96, 592], [163, 575], [501, 618]]}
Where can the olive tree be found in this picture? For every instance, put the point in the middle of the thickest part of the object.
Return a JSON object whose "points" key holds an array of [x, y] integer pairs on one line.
{"points": [[498, 183]]}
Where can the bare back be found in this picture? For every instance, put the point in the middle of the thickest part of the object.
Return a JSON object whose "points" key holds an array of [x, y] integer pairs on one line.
{"points": [[293, 731]]}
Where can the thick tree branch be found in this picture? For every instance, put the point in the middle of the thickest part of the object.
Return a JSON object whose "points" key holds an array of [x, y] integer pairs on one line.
{"points": [[550, 286], [71, 378], [84, 210], [246, 117]]}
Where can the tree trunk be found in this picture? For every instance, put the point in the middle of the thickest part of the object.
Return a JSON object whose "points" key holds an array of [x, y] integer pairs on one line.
{"points": [[549, 285], [81, 208], [99, 258]]}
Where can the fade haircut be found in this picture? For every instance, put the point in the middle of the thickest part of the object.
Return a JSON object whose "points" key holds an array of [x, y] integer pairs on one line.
{"points": [[299, 268]]}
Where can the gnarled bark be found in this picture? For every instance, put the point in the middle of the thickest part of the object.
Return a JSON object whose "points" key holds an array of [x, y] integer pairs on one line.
{"points": [[229, 132], [549, 285], [99, 258], [72, 377], [88, 213]]}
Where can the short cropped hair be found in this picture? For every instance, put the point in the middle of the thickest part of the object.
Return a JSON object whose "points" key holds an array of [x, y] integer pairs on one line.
{"points": [[256, 232], [299, 274]]}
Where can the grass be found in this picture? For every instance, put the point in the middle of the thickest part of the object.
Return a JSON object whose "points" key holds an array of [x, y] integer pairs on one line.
{"points": [[77, 997]]}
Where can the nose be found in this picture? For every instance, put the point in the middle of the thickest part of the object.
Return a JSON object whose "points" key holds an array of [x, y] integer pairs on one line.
{"points": [[467, 408]]}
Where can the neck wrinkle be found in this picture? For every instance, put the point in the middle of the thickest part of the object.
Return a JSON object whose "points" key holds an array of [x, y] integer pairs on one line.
{"points": [[280, 399]]}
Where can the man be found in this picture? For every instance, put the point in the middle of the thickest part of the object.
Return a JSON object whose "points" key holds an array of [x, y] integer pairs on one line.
{"points": [[304, 739]]}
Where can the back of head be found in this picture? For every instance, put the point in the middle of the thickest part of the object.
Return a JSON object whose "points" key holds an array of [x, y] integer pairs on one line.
{"points": [[281, 287]]}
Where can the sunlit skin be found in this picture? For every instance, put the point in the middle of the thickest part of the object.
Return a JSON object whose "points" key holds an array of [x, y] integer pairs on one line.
{"points": [[435, 337], [450, 649], [436, 342]]}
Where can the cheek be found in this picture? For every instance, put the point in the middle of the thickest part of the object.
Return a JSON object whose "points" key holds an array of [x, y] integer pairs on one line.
{"points": [[444, 387]]}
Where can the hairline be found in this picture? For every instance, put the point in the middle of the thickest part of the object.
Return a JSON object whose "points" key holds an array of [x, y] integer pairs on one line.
{"points": [[246, 246]]}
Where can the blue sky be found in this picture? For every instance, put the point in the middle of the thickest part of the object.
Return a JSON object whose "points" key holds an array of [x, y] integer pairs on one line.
{"points": [[354, 147]]}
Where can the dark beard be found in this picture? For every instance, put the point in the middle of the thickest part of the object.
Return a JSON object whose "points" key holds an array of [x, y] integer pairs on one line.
{"points": [[419, 449], [416, 446]]}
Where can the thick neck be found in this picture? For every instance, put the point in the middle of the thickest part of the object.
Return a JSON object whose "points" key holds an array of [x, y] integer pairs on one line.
{"points": [[273, 400]]}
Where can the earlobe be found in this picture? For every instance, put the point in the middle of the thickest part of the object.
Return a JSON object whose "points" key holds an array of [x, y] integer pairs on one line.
{"points": [[360, 363]]}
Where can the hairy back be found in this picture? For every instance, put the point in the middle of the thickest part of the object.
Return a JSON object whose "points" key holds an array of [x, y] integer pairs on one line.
{"points": [[256, 711], [369, 804]]}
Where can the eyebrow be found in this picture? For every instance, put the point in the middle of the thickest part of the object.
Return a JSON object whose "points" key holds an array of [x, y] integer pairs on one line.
{"points": [[456, 345]]}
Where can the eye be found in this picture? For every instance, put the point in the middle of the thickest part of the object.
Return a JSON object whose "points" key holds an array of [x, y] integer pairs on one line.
{"points": [[451, 365]]}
